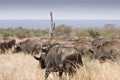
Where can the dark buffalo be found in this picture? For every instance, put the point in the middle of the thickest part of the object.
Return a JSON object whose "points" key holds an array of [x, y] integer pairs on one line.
{"points": [[3, 47], [99, 42], [109, 50], [27, 46], [95, 45], [7, 45], [59, 58], [11, 43]]}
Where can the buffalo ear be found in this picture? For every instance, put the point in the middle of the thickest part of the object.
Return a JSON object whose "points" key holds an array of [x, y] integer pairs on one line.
{"points": [[37, 58]]}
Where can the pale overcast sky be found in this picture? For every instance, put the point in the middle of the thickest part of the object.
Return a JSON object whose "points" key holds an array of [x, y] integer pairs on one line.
{"points": [[62, 9]]}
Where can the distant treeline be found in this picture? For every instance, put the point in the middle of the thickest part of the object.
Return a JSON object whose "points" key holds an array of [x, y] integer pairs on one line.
{"points": [[21, 32], [109, 30]]}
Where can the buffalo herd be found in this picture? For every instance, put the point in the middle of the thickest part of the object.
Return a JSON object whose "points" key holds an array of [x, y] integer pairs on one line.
{"points": [[6, 45], [65, 56]]}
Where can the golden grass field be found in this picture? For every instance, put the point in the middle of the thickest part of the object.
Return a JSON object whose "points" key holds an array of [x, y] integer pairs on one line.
{"points": [[24, 67]]}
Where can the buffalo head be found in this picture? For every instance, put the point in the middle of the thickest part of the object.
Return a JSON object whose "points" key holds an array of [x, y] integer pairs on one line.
{"points": [[41, 60], [17, 48], [45, 47]]}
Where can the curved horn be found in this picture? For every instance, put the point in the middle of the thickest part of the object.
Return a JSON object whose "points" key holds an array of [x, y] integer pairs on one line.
{"points": [[37, 58]]}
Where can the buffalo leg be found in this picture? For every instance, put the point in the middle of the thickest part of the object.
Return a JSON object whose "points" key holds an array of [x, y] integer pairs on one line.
{"points": [[47, 72], [60, 74]]}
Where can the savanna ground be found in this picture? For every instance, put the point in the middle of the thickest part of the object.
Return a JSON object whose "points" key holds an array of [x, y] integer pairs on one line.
{"points": [[24, 67]]}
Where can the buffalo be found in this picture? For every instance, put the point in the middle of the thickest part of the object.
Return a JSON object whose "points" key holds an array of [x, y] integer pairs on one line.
{"points": [[59, 58], [97, 42], [11, 43], [7, 45], [28, 46], [107, 50], [3, 47]]}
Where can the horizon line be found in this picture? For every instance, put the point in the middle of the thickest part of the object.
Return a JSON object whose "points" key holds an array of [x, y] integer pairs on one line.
{"points": [[59, 19]]}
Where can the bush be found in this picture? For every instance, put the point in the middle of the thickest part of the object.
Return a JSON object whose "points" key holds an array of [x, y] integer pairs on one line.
{"points": [[93, 33], [22, 32], [63, 30], [40, 32], [6, 33]]}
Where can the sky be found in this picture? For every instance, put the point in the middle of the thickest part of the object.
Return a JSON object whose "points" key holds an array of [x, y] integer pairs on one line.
{"points": [[62, 9]]}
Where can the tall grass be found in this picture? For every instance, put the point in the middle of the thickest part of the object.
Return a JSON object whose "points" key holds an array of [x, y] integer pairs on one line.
{"points": [[18, 67], [25, 67]]}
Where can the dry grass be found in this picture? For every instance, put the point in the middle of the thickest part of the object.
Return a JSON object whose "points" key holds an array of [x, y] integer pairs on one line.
{"points": [[19, 67], [99, 71], [25, 67]]}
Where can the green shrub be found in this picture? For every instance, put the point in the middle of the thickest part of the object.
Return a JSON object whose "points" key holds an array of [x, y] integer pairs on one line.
{"points": [[6, 33], [40, 32], [93, 33]]}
